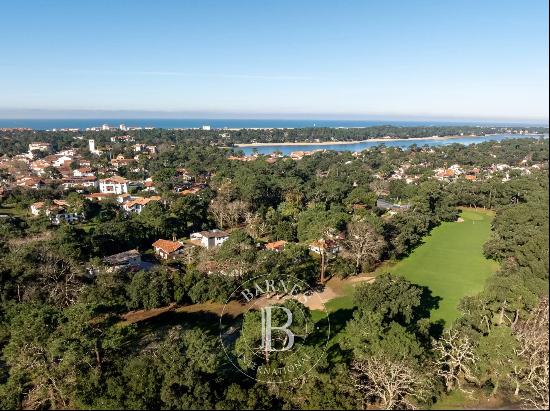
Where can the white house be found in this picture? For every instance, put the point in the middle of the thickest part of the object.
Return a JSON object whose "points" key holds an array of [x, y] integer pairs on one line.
{"points": [[36, 208], [38, 146], [60, 160], [210, 239], [168, 250], [185, 175], [324, 246], [70, 182], [136, 204], [57, 212], [64, 216], [68, 152], [138, 148], [38, 166], [83, 172], [114, 185]]}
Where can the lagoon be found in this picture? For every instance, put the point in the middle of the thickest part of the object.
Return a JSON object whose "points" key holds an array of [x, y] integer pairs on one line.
{"points": [[362, 145]]}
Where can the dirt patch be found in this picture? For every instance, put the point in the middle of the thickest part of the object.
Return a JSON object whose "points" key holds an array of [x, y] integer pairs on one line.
{"points": [[334, 288], [361, 278], [141, 315], [233, 308]]}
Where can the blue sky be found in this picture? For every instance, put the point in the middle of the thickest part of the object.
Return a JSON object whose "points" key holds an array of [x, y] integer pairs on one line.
{"points": [[347, 59]]}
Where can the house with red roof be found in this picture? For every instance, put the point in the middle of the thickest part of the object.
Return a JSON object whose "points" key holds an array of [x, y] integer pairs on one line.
{"points": [[167, 250]]}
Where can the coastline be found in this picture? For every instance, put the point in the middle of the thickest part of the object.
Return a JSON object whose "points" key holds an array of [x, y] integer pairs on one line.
{"points": [[370, 140]]}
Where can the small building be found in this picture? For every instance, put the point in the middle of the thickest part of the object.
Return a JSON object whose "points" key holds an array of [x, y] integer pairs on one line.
{"points": [[60, 160], [39, 166], [445, 174], [70, 182], [189, 191], [185, 176], [138, 148], [276, 246], [168, 250], [30, 182], [114, 185], [130, 258], [64, 216], [149, 185], [210, 239], [38, 208], [57, 211], [386, 205], [120, 161], [99, 196], [123, 139], [83, 172], [324, 246], [135, 205], [39, 146]]}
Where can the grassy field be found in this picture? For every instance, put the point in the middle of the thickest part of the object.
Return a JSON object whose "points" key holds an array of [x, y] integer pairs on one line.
{"points": [[451, 262]]}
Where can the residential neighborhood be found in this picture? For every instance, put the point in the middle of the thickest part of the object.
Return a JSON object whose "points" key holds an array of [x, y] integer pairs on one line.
{"points": [[82, 171]]}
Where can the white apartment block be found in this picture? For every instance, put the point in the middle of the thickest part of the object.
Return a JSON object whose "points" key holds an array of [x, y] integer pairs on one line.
{"points": [[113, 185]]}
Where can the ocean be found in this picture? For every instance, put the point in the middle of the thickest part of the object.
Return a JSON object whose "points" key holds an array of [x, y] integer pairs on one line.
{"points": [[48, 124]]}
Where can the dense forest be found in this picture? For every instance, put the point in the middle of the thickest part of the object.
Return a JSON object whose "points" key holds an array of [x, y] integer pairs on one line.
{"points": [[64, 343]]}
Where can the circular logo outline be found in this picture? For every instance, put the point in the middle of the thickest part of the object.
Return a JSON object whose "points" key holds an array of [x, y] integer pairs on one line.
{"points": [[251, 280]]}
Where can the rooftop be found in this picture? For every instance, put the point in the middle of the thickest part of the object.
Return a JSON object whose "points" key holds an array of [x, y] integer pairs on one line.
{"points": [[121, 258], [167, 246], [115, 179], [276, 245], [214, 234]]}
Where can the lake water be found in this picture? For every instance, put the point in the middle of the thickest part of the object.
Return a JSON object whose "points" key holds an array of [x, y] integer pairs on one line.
{"points": [[366, 144]]}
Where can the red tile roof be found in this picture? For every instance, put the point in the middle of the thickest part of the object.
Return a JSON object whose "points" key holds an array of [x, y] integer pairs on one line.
{"points": [[167, 246], [276, 245]]}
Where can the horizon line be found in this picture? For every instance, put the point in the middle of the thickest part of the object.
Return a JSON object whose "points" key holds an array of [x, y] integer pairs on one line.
{"points": [[140, 114]]}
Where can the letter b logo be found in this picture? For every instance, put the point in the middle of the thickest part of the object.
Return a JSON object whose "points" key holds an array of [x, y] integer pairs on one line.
{"points": [[267, 329]]}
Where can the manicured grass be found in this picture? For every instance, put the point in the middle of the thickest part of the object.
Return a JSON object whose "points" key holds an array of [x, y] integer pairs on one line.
{"points": [[451, 262]]}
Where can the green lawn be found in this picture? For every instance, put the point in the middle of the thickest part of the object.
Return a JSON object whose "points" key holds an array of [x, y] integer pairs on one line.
{"points": [[451, 262]]}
